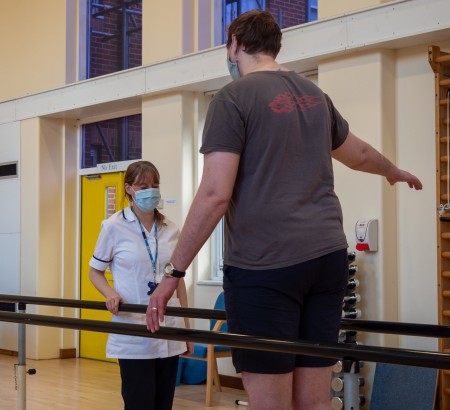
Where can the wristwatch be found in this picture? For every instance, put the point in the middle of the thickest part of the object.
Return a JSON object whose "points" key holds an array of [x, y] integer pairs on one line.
{"points": [[171, 272]]}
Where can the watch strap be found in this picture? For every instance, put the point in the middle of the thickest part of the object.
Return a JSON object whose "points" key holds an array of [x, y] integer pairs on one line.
{"points": [[177, 274]]}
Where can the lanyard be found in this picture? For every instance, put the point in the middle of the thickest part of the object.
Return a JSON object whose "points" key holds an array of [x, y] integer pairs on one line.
{"points": [[153, 261]]}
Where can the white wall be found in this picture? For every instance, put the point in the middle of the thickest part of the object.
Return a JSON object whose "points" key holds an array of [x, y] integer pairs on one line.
{"points": [[9, 227]]}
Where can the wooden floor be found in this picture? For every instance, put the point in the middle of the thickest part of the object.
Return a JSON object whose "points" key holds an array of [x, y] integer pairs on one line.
{"points": [[84, 384]]}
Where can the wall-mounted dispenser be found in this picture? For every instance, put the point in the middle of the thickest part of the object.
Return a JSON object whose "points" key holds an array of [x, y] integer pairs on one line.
{"points": [[366, 231]]}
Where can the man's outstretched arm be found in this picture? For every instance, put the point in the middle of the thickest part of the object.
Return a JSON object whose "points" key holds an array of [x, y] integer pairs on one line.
{"points": [[360, 156], [209, 205]]}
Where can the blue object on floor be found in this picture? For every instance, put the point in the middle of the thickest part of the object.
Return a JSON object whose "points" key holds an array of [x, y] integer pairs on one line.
{"points": [[398, 387], [180, 370], [193, 372]]}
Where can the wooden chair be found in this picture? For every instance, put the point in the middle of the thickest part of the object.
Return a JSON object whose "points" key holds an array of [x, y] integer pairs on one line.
{"points": [[210, 353]]}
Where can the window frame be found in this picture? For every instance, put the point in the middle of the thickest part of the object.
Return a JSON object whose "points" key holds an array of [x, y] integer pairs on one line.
{"points": [[312, 10], [217, 251]]}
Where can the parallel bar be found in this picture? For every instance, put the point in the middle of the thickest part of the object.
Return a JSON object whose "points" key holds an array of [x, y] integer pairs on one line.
{"points": [[398, 328], [126, 307], [406, 329], [350, 352]]}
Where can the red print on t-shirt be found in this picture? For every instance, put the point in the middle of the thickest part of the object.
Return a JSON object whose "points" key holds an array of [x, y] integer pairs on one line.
{"points": [[288, 102]]}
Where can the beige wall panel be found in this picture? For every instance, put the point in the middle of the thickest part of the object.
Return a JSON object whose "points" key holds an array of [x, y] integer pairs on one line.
{"points": [[329, 8], [388, 234], [41, 226], [417, 215], [33, 45], [167, 29], [162, 144], [355, 84], [168, 142], [362, 87], [70, 278], [51, 189]]}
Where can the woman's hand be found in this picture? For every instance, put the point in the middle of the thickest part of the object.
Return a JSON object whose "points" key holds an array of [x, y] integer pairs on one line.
{"points": [[100, 282], [112, 303]]}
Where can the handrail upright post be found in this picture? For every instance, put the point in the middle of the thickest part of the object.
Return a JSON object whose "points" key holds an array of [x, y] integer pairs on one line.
{"points": [[21, 367]]}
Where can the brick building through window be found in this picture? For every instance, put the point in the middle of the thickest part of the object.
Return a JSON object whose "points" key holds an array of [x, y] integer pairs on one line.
{"points": [[114, 43]]}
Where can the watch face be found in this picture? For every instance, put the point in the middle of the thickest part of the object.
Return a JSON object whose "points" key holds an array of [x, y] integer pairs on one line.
{"points": [[169, 270]]}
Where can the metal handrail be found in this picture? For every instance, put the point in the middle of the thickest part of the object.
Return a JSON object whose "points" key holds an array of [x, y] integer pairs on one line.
{"points": [[349, 353], [335, 350], [401, 328]]}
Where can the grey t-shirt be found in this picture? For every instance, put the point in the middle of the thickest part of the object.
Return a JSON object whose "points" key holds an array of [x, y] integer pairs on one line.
{"points": [[283, 209]]}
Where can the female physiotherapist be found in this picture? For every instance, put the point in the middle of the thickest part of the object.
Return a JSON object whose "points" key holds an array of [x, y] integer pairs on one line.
{"points": [[135, 244]]}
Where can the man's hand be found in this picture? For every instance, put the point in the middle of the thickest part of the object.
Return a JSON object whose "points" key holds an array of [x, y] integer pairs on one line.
{"points": [[403, 176], [360, 156], [158, 302]]}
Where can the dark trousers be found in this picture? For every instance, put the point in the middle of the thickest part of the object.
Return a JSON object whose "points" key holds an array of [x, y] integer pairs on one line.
{"points": [[148, 384]]}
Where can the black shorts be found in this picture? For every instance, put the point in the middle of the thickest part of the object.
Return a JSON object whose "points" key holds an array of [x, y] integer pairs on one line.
{"points": [[303, 301]]}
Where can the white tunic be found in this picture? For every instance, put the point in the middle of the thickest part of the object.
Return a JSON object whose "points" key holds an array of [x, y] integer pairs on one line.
{"points": [[121, 247]]}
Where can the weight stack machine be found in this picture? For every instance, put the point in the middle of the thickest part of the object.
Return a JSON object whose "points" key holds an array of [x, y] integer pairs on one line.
{"points": [[345, 381]]}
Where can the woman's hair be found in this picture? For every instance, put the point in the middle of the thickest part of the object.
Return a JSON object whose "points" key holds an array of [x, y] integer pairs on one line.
{"points": [[256, 31], [137, 173]]}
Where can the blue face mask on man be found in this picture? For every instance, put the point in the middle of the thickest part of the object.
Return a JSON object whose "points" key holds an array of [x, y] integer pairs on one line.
{"points": [[147, 199], [233, 68]]}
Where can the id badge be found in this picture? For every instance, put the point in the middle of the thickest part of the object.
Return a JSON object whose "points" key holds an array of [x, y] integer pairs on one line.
{"points": [[152, 286]]}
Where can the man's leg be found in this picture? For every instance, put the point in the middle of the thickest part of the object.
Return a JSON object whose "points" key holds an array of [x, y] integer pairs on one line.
{"points": [[321, 316], [311, 388], [268, 391]]}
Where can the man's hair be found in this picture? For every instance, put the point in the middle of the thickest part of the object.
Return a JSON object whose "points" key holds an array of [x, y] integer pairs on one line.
{"points": [[256, 31]]}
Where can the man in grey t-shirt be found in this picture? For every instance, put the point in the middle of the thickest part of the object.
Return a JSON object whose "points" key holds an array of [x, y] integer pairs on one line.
{"points": [[268, 145]]}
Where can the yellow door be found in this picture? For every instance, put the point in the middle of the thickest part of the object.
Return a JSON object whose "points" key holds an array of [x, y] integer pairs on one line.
{"points": [[101, 196]]}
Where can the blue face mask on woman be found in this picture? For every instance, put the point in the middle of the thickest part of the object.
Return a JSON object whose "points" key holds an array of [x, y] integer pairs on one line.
{"points": [[147, 199]]}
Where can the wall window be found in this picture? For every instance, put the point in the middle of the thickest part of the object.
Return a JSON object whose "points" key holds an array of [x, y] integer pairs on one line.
{"points": [[114, 36], [113, 43], [118, 139]]}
